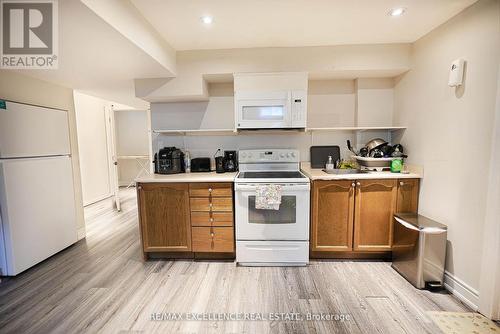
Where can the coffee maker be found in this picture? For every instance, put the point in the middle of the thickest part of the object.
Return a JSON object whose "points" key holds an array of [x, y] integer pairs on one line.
{"points": [[220, 163], [230, 161]]}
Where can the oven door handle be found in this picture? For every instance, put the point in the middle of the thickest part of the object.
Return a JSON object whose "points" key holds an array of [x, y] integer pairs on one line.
{"points": [[288, 187]]}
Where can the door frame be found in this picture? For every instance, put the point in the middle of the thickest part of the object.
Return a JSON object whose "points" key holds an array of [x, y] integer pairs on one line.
{"points": [[112, 149]]}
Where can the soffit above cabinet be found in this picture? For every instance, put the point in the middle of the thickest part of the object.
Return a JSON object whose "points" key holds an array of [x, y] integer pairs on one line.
{"points": [[279, 81]]}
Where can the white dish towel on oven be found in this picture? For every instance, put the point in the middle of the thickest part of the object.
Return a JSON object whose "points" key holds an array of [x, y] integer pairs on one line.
{"points": [[268, 197]]}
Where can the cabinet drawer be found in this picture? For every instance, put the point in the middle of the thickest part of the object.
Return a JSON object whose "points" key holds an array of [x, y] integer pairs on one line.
{"points": [[213, 239], [213, 189], [201, 218], [211, 204]]}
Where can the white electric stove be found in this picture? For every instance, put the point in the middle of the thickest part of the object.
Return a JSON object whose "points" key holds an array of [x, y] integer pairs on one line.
{"points": [[272, 237]]}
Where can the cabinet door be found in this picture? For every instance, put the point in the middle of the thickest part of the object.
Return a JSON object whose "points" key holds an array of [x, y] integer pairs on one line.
{"points": [[332, 216], [407, 195], [373, 218], [164, 217]]}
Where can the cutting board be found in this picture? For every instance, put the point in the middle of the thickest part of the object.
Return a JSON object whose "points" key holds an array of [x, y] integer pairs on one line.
{"points": [[319, 155]]}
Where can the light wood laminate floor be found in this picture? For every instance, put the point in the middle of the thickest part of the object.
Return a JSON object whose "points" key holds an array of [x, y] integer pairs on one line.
{"points": [[101, 284]]}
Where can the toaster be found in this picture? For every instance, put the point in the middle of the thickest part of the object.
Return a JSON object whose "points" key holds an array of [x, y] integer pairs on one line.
{"points": [[200, 165]]}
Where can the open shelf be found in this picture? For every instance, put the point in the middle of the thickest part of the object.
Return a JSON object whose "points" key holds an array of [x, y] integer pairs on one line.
{"points": [[233, 132], [129, 157], [198, 132], [360, 128]]}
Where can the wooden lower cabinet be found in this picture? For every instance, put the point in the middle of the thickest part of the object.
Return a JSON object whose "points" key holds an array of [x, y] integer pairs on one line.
{"points": [[186, 218], [408, 195], [212, 219], [213, 239], [355, 218], [332, 216], [373, 217], [210, 189], [214, 204], [164, 217]]}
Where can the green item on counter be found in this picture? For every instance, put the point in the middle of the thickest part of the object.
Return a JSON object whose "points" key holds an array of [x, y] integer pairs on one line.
{"points": [[396, 165]]}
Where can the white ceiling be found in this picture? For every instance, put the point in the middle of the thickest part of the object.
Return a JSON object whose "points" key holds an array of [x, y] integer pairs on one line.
{"points": [[96, 59], [268, 23]]}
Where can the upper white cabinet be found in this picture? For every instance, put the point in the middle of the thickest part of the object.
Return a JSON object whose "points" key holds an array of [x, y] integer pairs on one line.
{"points": [[270, 100]]}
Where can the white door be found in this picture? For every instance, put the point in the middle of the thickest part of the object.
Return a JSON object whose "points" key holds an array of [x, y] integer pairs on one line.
{"points": [[112, 147], [290, 222], [93, 145], [37, 210]]}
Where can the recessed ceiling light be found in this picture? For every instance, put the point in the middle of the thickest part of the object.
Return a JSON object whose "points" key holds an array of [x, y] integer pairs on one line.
{"points": [[397, 11], [207, 19]]}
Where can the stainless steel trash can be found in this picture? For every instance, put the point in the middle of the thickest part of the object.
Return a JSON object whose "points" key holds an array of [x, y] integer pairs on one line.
{"points": [[419, 249]]}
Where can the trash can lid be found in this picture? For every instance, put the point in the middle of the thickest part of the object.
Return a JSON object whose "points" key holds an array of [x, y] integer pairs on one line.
{"points": [[419, 221]]}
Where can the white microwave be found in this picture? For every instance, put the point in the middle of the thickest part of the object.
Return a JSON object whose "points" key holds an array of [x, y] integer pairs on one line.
{"points": [[271, 110]]}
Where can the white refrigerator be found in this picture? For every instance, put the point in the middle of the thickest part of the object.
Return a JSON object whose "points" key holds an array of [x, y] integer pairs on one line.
{"points": [[37, 205]]}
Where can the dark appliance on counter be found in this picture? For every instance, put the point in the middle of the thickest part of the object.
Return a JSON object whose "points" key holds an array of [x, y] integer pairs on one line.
{"points": [[230, 161], [219, 161], [219, 165], [200, 165], [169, 160], [320, 154]]}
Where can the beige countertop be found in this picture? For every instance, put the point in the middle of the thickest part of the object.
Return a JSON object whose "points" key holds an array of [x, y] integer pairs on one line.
{"points": [[305, 167], [318, 174], [187, 177]]}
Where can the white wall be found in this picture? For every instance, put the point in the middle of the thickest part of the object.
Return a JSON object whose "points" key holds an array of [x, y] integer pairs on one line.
{"points": [[132, 139], [93, 143], [321, 62], [490, 264], [24, 89], [374, 102], [331, 103], [450, 132]]}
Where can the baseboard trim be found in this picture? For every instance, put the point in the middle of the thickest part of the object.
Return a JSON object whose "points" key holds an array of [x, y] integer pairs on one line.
{"points": [[98, 199], [81, 233], [461, 290]]}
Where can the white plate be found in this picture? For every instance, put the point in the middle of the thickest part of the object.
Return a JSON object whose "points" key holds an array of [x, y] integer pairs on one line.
{"points": [[357, 157]]}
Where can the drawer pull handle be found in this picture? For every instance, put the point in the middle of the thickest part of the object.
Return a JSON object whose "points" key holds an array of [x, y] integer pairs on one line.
{"points": [[211, 220], [212, 234], [209, 190], [401, 183], [353, 184], [210, 205], [358, 184]]}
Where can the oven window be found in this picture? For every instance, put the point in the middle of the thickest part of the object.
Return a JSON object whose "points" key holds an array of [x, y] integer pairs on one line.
{"points": [[263, 113], [287, 214]]}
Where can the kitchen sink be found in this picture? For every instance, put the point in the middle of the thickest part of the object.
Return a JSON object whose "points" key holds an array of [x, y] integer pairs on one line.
{"points": [[345, 171]]}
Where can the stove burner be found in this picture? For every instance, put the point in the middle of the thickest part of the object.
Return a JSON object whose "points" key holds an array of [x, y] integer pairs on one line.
{"points": [[271, 175]]}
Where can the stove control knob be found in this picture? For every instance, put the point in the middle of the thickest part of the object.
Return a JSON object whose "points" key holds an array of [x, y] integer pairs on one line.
{"points": [[282, 155], [249, 155], [293, 154], [243, 155], [288, 155]]}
